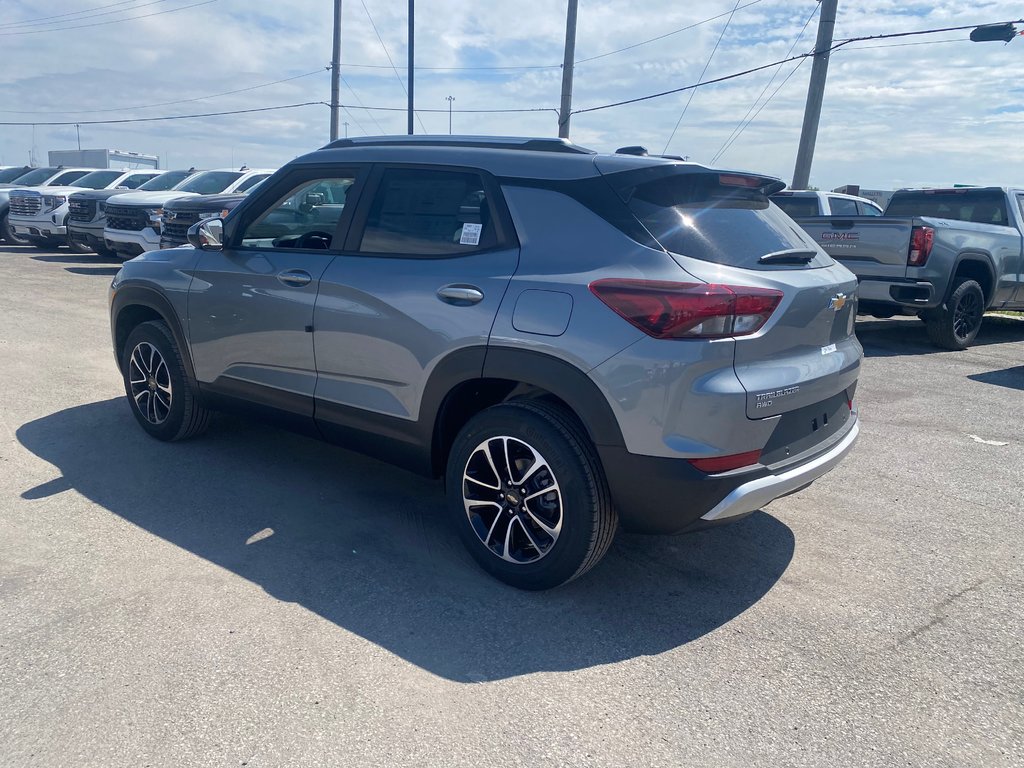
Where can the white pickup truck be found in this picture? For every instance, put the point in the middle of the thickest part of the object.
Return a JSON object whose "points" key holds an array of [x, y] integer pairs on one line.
{"points": [[40, 215], [32, 178], [810, 202]]}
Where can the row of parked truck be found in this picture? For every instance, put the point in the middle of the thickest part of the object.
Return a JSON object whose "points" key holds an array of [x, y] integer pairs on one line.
{"points": [[115, 212]]}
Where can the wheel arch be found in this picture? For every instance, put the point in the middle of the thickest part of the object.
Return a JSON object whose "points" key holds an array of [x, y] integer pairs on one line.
{"points": [[976, 266], [134, 305]]}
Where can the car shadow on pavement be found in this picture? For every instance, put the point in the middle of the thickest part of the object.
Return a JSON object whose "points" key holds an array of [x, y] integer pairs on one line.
{"points": [[79, 258], [369, 548], [908, 336], [1011, 378], [109, 271]]}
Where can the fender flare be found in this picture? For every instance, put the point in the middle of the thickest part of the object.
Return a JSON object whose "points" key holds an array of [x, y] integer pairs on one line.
{"points": [[128, 296], [976, 257]]}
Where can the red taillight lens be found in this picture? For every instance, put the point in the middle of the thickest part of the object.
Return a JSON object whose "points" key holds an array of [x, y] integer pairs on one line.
{"points": [[921, 240], [725, 463], [667, 310]]}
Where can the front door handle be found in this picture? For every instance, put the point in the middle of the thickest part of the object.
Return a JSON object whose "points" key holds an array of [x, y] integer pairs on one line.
{"points": [[296, 278], [460, 295]]}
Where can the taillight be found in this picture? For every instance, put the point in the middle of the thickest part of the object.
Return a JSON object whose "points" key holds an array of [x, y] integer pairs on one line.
{"points": [[921, 240], [668, 310], [725, 463]]}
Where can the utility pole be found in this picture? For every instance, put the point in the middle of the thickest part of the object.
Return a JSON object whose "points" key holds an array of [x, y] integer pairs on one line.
{"points": [[815, 94], [565, 111], [346, 128], [336, 71], [449, 99], [79, 134], [412, 35]]}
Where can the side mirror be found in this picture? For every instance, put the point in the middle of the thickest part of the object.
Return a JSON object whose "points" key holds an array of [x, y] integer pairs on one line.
{"points": [[207, 235]]}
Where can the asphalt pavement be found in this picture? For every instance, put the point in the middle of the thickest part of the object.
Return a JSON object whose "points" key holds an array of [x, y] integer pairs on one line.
{"points": [[256, 598]]}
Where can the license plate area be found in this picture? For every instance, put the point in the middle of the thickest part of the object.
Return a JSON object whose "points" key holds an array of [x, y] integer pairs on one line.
{"points": [[801, 430]]}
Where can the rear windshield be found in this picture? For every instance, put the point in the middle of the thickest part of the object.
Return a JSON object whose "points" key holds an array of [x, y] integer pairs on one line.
{"points": [[165, 181], [98, 179], [37, 177], [983, 206], [797, 206], [692, 214], [210, 182], [10, 174]]}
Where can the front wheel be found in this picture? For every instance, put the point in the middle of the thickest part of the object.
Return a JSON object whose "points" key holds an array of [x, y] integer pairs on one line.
{"points": [[77, 247], [528, 496], [162, 395], [955, 325], [7, 233]]}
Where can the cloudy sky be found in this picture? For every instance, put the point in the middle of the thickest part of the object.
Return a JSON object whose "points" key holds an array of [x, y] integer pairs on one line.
{"points": [[945, 112]]}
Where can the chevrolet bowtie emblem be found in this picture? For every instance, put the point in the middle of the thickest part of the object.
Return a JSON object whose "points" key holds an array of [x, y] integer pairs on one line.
{"points": [[838, 302]]}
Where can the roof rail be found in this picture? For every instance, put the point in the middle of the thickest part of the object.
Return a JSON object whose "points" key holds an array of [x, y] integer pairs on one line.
{"points": [[477, 142]]}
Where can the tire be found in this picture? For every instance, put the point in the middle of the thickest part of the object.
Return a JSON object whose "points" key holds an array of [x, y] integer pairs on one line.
{"points": [[77, 247], [161, 394], [45, 243], [956, 324], [7, 234], [559, 535]]}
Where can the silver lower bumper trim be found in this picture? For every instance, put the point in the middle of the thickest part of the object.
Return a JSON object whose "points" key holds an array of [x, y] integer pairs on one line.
{"points": [[754, 495]]}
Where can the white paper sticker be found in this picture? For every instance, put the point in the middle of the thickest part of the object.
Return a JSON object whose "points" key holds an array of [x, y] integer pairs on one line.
{"points": [[828, 350], [470, 234]]}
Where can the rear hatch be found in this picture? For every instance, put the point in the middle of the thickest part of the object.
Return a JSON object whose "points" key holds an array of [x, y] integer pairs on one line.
{"points": [[721, 229], [871, 246]]}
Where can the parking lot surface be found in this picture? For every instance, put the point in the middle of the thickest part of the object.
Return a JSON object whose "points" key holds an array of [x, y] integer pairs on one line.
{"points": [[256, 598]]}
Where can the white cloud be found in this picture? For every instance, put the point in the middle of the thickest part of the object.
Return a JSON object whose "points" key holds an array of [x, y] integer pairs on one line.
{"points": [[892, 116]]}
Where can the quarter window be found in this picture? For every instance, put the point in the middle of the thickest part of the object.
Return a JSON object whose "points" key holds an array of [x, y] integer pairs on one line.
{"points": [[419, 212], [306, 217], [866, 209], [843, 207]]}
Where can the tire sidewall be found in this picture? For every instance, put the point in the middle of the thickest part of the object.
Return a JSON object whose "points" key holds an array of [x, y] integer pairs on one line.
{"points": [[963, 289], [579, 496], [159, 336]]}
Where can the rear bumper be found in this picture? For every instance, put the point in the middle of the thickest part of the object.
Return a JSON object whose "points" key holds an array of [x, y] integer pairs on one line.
{"points": [[900, 293], [666, 496]]}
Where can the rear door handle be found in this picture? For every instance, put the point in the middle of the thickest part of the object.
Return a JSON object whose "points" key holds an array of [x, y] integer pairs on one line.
{"points": [[295, 278], [460, 295]]}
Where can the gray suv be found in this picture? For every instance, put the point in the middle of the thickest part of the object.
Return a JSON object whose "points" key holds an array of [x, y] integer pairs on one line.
{"points": [[573, 340]]}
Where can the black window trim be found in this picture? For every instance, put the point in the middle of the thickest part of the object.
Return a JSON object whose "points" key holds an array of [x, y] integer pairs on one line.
{"points": [[273, 191], [506, 238]]}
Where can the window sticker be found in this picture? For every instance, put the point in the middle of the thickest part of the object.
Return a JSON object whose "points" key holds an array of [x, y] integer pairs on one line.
{"points": [[471, 234]]}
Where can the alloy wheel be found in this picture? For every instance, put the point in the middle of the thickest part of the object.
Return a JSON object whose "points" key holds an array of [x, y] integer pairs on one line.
{"points": [[150, 381], [967, 315], [512, 499]]}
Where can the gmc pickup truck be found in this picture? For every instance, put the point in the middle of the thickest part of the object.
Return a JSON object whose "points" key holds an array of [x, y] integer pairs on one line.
{"points": [[946, 255]]}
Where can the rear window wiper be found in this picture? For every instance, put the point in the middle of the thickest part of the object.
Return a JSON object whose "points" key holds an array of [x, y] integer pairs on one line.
{"points": [[788, 256]]}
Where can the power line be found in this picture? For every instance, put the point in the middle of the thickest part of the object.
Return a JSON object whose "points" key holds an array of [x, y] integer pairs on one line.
{"points": [[835, 46], [118, 121], [111, 21], [39, 23], [707, 64], [360, 101], [740, 127], [393, 67], [160, 104], [69, 13]]}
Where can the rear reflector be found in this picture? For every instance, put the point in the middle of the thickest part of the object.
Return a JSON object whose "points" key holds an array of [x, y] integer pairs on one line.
{"points": [[667, 310], [921, 241], [725, 463]]}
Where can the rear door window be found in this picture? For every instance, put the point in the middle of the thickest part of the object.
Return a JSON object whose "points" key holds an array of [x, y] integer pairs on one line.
{"points": [[423, 212], [842, 207], [866, 209], [695, 215]]}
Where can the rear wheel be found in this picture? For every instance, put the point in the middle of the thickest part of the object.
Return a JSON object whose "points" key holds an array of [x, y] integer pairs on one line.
{"points": [[955, 325], [7, 233], [528, 496], [162, 395]]}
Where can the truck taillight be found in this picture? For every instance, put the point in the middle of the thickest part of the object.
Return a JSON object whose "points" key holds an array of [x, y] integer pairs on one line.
{"points": [[921, 240], [668, 310]]}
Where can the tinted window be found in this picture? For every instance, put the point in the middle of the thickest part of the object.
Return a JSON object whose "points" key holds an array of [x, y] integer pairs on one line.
{"points": [[68, 178], [10, 174], [693, 215], [797, 206], [98, 179], [251, 182], [1020, 202], [867, 209], [136, 180], [38, 176], [210, 182], [429, 213], [306, 217], [842, 207], [980, 206], [165, 181]]}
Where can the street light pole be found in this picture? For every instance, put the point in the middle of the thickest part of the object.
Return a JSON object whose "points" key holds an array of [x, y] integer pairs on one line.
{"points": [[412, 35], [565, 110], [815, 94], [336, 71], [449, 99]]}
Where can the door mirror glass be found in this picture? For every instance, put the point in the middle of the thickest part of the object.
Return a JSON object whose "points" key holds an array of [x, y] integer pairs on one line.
{"points": [[207, 235]]}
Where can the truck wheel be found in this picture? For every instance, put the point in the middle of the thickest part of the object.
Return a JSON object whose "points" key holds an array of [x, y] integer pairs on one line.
{"points": [[528, 496], [77, 247], [955, 325], [7, 233], [161, 393], [45, 243]]}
